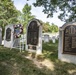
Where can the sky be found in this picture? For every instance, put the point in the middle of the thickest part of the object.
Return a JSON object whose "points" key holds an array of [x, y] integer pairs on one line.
{"points": [[37, 11]]}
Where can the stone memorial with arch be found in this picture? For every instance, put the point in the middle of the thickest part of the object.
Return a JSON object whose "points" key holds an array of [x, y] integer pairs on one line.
{"points": [[11, 35], [67, 42], [0, 35], [34, 36]]}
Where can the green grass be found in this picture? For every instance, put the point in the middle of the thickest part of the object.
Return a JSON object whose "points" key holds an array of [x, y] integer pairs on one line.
{"points": [[13, 62], [50, 50]]}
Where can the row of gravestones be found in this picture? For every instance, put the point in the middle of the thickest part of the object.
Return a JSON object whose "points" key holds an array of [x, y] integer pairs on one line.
{"points": [[67, 40], [47, 37], [33, 36]]}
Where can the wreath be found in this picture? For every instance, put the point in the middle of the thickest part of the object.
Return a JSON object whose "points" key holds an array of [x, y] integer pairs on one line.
{"points": [[18, 30]]}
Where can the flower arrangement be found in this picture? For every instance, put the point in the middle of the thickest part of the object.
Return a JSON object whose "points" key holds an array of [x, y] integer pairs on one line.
{"points": [[18, 30]]}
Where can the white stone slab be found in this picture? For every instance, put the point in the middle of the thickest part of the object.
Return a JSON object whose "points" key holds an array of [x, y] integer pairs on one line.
{"points": [[0, 36], [67, 57], [13, 42], [53, 39], [39, 45], [46, 38]]}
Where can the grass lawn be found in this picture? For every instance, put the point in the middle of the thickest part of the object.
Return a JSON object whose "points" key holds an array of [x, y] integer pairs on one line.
{"points": [[14, 62]]}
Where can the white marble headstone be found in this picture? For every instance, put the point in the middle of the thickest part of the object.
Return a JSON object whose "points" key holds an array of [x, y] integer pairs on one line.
{"points": [[53, 39], [9, 40], [46, 38], [0, 36]]}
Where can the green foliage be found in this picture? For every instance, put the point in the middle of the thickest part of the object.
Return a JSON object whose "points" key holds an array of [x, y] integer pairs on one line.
{"points": [[25, 16], [54, 28], [50, 50], [13, 62], [67, 8], [50, 28], [46, 27], [8, 13]]}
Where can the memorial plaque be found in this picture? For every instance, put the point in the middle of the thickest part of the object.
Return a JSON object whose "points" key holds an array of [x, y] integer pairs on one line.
{"points": [[8, 34], [32, 33], [32, 47], [69, 45]]}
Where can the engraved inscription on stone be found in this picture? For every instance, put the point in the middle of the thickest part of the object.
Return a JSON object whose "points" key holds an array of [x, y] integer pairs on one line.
{"points": [[32, 34], [8, 34], [69, 44], [73, 42]]}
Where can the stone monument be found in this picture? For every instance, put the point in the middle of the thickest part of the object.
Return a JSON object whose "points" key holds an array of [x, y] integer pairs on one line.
{"points": [[0, 35], [34, 36], [11, 35], [53, 39], [46, 38], [67, 42]]}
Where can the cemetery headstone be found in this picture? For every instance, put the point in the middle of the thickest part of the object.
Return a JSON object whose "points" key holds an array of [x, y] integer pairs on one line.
{"points": [[11, 36], [46, 38], [53, 39], [67, 43], [34, 36], [0, 35]]}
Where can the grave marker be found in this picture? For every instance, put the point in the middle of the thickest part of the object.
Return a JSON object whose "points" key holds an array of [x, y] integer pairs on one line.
{"points": [[12, 32], [53, 39], [34, 36], [46, 38], [67, 42], [0, 35]]}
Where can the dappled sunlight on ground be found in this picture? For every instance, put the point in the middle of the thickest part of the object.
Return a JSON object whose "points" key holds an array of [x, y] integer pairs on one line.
{"points": [[49, 64], [45, 63], [14, 62], [72, 72]]}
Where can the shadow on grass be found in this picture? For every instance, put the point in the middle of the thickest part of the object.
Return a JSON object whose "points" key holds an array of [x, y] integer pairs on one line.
{"points": [[4, 70], [12, 62], [50, 50]]}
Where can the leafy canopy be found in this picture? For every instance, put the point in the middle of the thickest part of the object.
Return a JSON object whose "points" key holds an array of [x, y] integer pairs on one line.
{"points": [[8, 13], [25, 16], [50, 28], [67, 8], [27, 13]]}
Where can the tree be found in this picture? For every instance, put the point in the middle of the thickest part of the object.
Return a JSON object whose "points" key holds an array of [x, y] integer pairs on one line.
{"points": [[26, 15], [8, 13], [67, 8], [49, 28], [54, 28], [46, 27]]}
